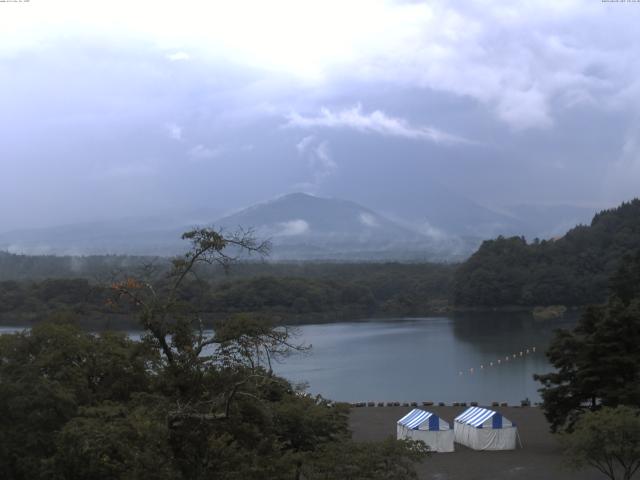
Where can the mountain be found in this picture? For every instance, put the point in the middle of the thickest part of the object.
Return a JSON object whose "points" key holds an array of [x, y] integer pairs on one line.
{"points": [[301, 217], [439, 210], [443, 227], [300, 226], [431, 208], [572, 270], [309, 227]]}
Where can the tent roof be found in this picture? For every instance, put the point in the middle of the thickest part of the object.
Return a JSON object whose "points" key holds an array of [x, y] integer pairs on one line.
{"points": [[475, 416], [415, 418]]}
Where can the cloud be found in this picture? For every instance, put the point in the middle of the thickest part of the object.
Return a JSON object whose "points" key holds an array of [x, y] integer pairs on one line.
{"points": [[303, 144], [525, 62], [483, 70], [319, 159], [368, 219], [524, 109], [321, 162], [375, 122], [178, 56], [200, 152], [293, 227], [622, 180], [432, 232], [519, 59], [322, 159], [174, 130]]}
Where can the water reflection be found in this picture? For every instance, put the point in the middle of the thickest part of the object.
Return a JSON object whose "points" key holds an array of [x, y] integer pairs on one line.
{"points": [[422, 359]]}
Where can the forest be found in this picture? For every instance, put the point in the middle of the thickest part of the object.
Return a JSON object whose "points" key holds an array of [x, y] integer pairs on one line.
{"points": [[505, 272], [295, 293], [572, 270]]}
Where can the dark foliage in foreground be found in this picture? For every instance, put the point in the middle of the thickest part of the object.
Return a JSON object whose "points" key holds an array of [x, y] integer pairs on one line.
{"points": [[75, 405], [598, 362], [180, 403], [607, 440]]}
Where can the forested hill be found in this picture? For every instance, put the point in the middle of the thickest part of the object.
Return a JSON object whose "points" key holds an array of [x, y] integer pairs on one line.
{"points": [[291, 293], [572, 270]]}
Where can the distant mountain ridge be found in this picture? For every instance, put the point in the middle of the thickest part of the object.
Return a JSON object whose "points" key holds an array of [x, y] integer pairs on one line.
{"points": [[436, 208], [307, 227], [126, 236], [300, 214], [300, 226]]}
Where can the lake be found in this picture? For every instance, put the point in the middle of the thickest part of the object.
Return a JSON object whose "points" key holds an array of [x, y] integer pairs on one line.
{"points": [[420, 359], [423, 359]]}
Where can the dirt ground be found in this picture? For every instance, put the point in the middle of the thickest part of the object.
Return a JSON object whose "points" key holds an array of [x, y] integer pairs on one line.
{"points": [[539, 459]]}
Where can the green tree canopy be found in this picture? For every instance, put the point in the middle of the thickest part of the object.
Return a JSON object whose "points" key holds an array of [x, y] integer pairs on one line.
{"points": [[598, 362], [572, 270], [182, 403], [607, 440]]}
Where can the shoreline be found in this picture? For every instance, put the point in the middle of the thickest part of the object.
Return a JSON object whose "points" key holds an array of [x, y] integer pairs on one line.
{"points": [[125, 322]]}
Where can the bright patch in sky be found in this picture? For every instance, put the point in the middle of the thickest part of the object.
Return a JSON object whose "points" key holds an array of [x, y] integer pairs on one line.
{"points": [[299, 37], [374, 122]]}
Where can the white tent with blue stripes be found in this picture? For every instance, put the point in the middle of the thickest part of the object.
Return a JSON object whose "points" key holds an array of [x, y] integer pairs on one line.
{"points": [[428, 427], [483, 429]]}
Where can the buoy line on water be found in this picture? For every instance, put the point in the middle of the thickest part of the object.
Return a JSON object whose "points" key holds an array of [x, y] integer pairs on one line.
{"points": [[500, 361]]}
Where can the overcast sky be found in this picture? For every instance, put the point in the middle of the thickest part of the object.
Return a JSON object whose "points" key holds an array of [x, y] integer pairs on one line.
{"points": [[120, 108]]}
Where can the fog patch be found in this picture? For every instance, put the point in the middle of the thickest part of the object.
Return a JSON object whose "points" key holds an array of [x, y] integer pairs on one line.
{"points": [[369, 220], [293, 227]]}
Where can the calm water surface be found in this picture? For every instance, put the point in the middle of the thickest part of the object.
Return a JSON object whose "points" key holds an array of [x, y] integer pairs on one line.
{"points": [[421, 359], [418, 359]]}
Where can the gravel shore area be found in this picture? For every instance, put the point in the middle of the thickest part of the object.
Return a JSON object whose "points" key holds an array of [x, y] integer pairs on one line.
{"points": [[539, 459]]}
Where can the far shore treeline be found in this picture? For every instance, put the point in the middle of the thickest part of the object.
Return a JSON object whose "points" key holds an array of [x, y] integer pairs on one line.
{"points": [[286, 293], [504, 273]]}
